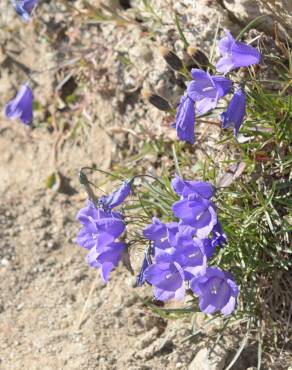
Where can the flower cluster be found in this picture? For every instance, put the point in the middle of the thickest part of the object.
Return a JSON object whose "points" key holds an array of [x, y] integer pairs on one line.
{"points": [[178, 251], [181, 251], [205, 90], [100, 228]]}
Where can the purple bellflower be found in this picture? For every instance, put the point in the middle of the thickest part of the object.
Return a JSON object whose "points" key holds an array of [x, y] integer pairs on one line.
{"points": [[167, 278], [206, 90], [184, 188], [100, 228], [192, 258], [160, 233], [216, 291], [98, 233], [235, 54], [185, 120], [24, 8], [197, 212], [106, 259], [235, 111], [117, 197], [21, 106], [170, 270]]}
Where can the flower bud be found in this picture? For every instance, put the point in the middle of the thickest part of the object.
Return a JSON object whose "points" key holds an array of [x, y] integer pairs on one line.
{"points": [[158, 101], [171, 59]]}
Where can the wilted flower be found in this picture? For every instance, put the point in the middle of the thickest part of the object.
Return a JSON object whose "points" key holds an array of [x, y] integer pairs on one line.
{"points": [[196, 212], [24, 8], [185, 187], [218, 236], [171, 59], [216, 291], [235, 111], [21, 106], [156, 100], [117, 197], [185, 120], [206, 90], [147, 261], [235, 54], [100, 228], [198, 56], [106, 259]]}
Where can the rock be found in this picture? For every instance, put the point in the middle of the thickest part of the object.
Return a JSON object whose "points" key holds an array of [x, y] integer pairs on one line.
{"points": [[202, 360], [279, 11]]}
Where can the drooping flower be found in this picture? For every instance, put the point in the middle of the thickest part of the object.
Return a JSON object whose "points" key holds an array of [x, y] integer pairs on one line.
{"points": [[235, 111], [235, 54], [106, 259], [206, 90], [21, 106], [185, 120], [160, 233], [167, 278], [185, 187], [24, 8], [216, 291], [117, 197], [196, 212], [100, 228]]}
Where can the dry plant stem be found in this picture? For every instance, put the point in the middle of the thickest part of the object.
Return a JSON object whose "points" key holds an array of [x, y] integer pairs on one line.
{"points": [[93, 286], [216, 123]]}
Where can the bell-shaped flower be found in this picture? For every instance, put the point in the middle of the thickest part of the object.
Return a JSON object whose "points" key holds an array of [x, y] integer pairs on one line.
{"points": [[24, 8], [100, 228], [236, 54], [185, 187], [216, 291], [235, 111], [206, 90], [167, 278], [117, 197], [191, 257], [21, 106], [106, 259], [185, 120], [160, 233], [196, 212]]}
